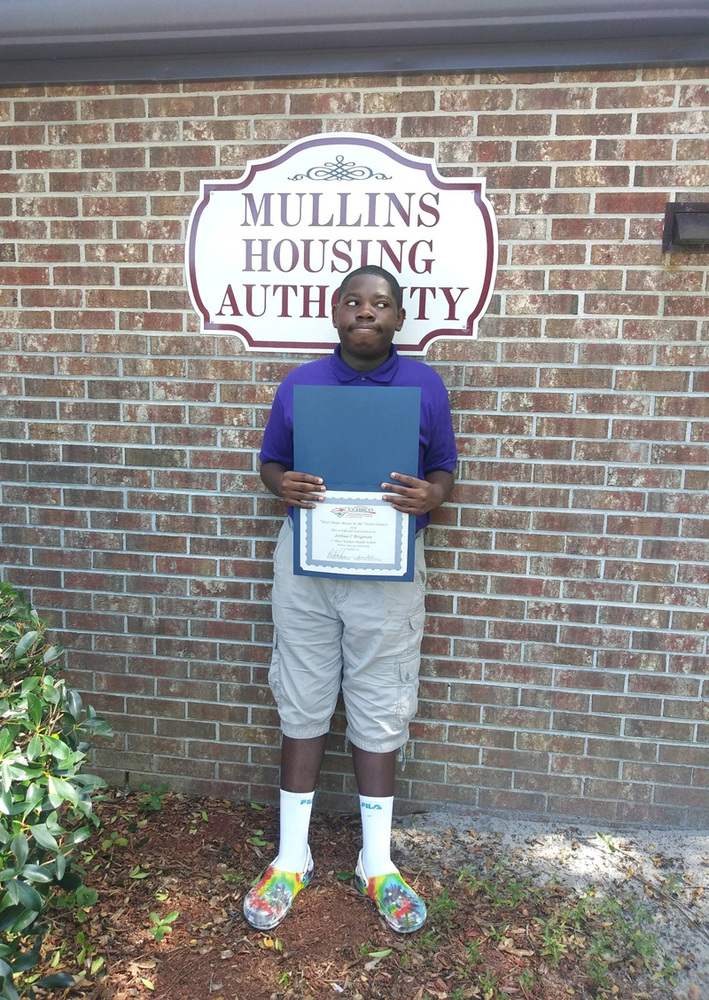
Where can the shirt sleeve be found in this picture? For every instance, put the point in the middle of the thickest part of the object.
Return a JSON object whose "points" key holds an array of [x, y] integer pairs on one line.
{"points": [[439, 444], [278, 437]]}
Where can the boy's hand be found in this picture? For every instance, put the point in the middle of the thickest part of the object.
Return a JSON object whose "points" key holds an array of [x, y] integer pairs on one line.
{"points": [[418, 496], [299, 489]]}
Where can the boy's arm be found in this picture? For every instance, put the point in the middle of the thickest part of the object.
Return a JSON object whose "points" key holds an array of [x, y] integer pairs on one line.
{"points": [[298, 489], [418, 496]]}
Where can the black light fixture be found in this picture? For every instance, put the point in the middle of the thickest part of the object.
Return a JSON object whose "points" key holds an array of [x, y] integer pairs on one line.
{"points": [[686, 227]]}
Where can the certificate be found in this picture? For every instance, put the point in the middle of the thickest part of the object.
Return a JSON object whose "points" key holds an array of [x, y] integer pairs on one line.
{"points": [[354, 438], [351, 533]]}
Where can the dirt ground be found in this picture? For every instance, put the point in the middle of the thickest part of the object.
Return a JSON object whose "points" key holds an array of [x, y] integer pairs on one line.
{"points": [[516, 911]]}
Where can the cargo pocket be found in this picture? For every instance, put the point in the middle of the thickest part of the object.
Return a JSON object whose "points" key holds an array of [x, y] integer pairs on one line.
{"points": [[414, 636], [407, 700]]}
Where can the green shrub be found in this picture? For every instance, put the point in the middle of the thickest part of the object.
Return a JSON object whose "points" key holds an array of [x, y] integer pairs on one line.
{"points": [[46, 804]]}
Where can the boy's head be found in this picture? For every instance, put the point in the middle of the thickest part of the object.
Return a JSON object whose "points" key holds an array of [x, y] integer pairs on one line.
{"points": [[378, 272], [366, 316]]}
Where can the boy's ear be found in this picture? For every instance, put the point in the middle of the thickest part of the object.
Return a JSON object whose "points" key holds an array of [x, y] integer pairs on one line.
{"points": [[400, 317]]}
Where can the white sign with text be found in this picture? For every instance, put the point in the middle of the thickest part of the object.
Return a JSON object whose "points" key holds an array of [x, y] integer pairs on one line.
{"points": [[266, 254]]}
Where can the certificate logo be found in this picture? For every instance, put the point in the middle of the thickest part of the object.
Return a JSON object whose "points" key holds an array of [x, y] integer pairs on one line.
{"points": [[354, 513], [266, 253]]}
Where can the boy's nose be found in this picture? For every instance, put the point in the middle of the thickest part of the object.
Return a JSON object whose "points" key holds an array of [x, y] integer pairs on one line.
{"points": [[365, 309]]}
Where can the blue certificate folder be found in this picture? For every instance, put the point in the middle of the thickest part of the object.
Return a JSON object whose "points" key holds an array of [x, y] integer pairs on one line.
{"points": [[354, 438]]}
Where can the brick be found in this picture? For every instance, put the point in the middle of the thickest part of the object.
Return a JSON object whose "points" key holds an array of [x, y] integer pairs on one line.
{"points": [[555, 203], [593, 125], [584, 723], [22, 135], [514, 125], [635, 97], [113, 206], [657, 730], [594, 176], [671, 123], [588, 229], [112, 109], [177, 107], [111, 157], [82, 134]]}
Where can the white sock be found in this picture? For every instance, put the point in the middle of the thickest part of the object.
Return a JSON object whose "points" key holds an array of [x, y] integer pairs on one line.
{"points": [[295, 823], [376, 835]]}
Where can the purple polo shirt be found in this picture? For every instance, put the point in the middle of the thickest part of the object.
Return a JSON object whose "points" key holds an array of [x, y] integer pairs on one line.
{"points": [[436, 439]]}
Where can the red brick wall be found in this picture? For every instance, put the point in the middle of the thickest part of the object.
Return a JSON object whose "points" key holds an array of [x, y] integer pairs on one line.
{"points": [[566, 652]]}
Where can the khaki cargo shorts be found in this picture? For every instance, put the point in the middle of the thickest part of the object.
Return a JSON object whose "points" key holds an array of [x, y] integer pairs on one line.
{"points": [[361, 636]]}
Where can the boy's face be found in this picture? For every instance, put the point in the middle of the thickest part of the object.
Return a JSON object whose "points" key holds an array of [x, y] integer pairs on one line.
{"points": [[366, 319]]}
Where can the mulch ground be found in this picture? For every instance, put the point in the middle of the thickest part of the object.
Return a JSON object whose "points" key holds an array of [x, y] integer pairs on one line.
{"points": [[197, 857]]}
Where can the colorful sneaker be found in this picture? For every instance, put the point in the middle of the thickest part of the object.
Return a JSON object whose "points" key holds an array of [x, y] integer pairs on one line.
{"points": [[401, 907], [267, 903]]}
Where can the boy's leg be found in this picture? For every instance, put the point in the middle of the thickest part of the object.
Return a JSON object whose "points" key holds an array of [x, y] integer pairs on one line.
{"points": [[267, 903], [381, 644], [374, 772], [305, 680], [300, 766], [375, 781], [375, 875], [300, 763]]}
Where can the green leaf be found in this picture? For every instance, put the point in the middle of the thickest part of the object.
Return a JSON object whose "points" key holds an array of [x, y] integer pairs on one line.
{"points": [[8, 991], [10, 772], [35, 794], [50, 692], [61, 791], [380, 954], [35, 747], [83, 833], [21, 892], [20, 848], [5, 969], [60, 866], [51, 654], [9, 916], [27, 960], [86, 896], [59, 750], [72, 702], [25, 642], [36, 873], [43, 837], [147, 984], [5, 739], [34, 709], [56, 981]]}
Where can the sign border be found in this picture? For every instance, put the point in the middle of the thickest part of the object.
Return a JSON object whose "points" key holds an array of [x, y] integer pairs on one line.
{"points": [[475, 184]]}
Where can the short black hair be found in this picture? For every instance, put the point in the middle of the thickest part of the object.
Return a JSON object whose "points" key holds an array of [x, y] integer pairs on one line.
{"points": [[378, 272]]}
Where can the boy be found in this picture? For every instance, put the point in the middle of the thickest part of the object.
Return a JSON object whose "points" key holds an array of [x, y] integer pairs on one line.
{"points": [[363, 636]]}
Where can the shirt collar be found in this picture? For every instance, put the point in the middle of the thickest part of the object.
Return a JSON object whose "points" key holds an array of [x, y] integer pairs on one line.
{"points": [[383, 374]]}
